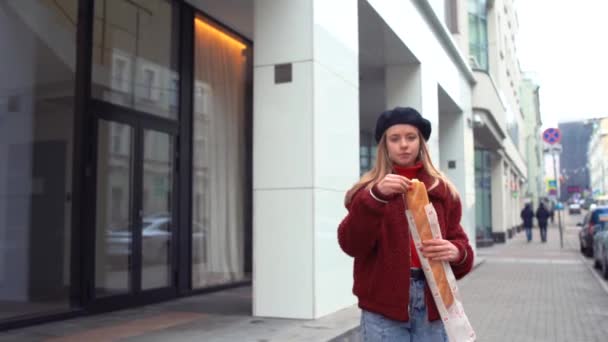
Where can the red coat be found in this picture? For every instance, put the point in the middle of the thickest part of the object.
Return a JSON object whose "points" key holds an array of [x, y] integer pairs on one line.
{"points": [[377, 235]]}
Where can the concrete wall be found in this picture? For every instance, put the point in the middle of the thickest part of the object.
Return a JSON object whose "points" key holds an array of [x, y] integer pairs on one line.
{"points": [[306, 155]]}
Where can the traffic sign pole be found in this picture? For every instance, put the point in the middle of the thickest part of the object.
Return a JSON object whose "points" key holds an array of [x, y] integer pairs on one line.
{"points": [[559, 212], [553, 136]]}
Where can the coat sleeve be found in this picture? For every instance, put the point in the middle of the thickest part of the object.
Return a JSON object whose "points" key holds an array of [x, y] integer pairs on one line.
{"points": [[458, 237], [360, 229]]}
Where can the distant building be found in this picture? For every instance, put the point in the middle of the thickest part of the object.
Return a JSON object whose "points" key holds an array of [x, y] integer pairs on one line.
{"points": [[574, 174], [535, 186]]}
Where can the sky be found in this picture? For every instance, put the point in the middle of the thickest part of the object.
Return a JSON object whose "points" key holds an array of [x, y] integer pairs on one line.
{"points": [[564, 44]]}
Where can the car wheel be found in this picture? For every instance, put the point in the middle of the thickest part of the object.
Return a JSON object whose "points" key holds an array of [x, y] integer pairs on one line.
{"points": [[597, 264], [582, 248]]}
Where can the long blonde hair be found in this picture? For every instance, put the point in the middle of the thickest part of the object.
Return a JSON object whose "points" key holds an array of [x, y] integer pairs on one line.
{"points": [[384, 166]]}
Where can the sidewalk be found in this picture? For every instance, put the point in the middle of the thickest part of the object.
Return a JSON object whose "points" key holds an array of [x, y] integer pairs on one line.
{"points": [[537, 292], [223, 316], [534, 292], [521, 292]]}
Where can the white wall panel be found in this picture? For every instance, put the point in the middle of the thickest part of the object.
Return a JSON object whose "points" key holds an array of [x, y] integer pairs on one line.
{"points": [[283, 277], [333, 268], [282, 150], [286, 28], [336, 131]]}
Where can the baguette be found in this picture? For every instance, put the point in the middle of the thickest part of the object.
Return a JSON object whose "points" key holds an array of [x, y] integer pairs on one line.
{"points": [[417, 199]]}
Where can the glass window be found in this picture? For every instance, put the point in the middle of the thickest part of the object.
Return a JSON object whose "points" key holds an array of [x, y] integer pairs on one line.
{"points": [[367, 152], [483, 194], [157, 210], [113, 227], [37, 64], [219, 144], [478, 33], [135, 55]]}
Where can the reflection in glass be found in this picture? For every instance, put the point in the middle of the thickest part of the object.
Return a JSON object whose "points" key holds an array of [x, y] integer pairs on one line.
{"points": [[219, 157], [114, 228], [37, 64], [135, 55], [157, 225]]}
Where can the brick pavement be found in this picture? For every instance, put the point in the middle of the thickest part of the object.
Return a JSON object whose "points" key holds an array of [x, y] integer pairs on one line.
{"points": [[536, 292]]}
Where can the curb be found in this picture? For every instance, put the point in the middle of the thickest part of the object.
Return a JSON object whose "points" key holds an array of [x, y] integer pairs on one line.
{"points": [[478, 262], [600, 280]]}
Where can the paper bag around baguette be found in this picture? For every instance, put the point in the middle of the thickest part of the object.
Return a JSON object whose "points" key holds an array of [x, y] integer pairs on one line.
{"points": [[417, 199]]}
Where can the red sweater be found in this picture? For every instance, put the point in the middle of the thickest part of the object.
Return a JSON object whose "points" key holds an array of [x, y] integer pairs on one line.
{"points": [[376, 234]]}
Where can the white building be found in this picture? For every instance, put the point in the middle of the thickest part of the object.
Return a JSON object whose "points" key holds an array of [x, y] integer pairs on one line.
{"points": [[535, 187], [598, 163], [234, 129], [500, 170]]}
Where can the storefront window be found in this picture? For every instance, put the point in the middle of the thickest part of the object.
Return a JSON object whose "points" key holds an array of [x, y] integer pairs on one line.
{"points": [[37, 64], [134, 57], [367, 152], [219, 155], [483, 194]]}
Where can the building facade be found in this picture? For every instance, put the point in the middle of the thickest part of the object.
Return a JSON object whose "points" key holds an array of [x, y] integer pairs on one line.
{"points": [[573, 163], [598, 165], [500, 170], [166, 148], [534, 188]]}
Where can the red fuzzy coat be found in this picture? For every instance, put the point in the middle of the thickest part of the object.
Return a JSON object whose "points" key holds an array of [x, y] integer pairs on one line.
{"points": [[377, 235]]}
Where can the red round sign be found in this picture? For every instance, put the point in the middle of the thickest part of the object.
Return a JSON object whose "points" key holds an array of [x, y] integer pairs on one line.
{"points": [[552, 136]]}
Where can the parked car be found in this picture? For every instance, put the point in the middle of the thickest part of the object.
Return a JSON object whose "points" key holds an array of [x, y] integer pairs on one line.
{"points": [[600, 248], [156, 237], [602, 200], [589, 227], [574, 208], [587, 203]]}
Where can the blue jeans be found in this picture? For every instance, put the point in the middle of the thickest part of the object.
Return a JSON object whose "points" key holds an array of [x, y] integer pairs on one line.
{"points": [[543, 233], [377, 328], [528, 233]]}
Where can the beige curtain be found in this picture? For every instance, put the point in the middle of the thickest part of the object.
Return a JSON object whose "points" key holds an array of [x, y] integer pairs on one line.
{"points": [[219, 157]]}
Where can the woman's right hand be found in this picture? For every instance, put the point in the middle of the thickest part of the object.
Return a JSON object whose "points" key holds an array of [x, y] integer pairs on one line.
{"points": [[394, 184]]}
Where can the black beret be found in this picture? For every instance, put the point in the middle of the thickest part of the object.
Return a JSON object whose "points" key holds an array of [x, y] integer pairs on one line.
{"points": [[402, 115]]}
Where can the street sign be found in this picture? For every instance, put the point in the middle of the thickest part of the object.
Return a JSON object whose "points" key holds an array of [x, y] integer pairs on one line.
{"points": [[552, 136]]}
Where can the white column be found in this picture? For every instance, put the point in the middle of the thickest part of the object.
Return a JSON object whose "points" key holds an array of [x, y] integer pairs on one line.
{"points": [[413, 85], [306, 155], [457, 145]]}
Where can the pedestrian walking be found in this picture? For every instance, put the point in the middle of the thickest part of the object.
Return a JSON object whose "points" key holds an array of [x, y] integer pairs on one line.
{"points": [[542, 215], [527, 216], [390, 285]]}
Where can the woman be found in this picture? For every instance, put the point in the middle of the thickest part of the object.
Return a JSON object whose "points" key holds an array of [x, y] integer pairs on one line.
{"points": [[395, 300], [527, 215]]}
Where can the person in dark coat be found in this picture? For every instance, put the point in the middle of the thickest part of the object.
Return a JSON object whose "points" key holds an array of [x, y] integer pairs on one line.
{"points": [[542, 215], [527, 216]]}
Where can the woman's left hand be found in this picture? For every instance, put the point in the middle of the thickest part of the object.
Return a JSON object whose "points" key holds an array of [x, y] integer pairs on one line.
{"points": [[440, 250]]}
